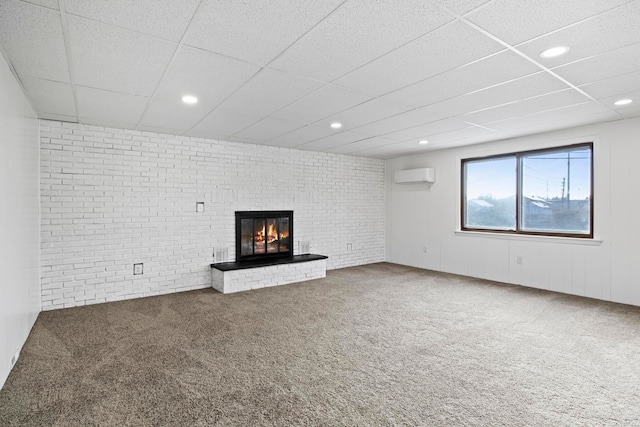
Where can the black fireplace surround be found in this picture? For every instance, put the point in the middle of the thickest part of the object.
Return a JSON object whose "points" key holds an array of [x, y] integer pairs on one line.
{"points": [[264, 235]]}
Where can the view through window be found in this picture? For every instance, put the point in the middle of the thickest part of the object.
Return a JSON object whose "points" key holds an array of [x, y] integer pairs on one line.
{"points": [[535, 192]]}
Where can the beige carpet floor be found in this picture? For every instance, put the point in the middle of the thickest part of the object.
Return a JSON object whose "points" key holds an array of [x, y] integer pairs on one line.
{"points": [[373, 345]]}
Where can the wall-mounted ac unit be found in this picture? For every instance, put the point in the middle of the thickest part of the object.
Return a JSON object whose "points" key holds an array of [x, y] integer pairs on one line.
{"points": [[415, 175]]}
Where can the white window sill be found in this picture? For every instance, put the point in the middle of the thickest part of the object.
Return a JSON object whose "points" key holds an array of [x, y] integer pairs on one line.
{"points": [[530, 238]]}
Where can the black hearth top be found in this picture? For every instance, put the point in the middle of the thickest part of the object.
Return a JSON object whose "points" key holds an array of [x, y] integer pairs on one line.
{"points": [[230, 266]]}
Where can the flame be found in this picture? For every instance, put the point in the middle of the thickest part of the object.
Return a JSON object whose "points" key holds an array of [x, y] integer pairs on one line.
{"points": [[270, 234]]}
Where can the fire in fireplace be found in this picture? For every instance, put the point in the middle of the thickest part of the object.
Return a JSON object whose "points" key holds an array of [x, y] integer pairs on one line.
{"points": [[264, 234]]}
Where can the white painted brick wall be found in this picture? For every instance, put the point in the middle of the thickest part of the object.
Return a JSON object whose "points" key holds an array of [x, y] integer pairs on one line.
{"points": [[112, 197]]}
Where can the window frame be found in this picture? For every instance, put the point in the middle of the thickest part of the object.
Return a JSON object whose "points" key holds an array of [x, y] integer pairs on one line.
{"points": [[519, 196]]}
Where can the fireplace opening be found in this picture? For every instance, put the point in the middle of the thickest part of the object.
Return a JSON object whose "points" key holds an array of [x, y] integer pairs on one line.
{"points": [[264, 234]]}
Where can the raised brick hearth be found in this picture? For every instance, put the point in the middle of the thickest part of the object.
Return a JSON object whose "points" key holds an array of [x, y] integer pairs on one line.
{"points": [[233, 277]]}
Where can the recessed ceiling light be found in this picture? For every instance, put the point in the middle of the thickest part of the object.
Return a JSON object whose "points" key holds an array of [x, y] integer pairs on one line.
{"points": [[623, 102], [189, 99], [423, 142], [554, 52], [336, 125]]}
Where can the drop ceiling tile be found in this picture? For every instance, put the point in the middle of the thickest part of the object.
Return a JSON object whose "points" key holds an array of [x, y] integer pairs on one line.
{"points": [[112, 58], [165, 19], [322, 103], [631, 112], [610, 64], [619, 85], [243, 140], [543, 120], [302, 135], [254, 31], [209, 76], [449, 46], [155, 129], [392, 150], [32, 39], [469, 135], [356, 33], [365, 144], [399, 122], [50, 97], [267, 128], [587, 115], [110, 106], [106, 123], [562, 122], [221, 122], [58, 117], [365, 113], [398, 147], [515, 90], [269, 91], [549, 101], [498, 68], [611, 30], [331, 141], [378, 156], [51, 4], [206, 134], [462, 7], [173, 114], [518, 21], [427, 130], [634, 96]]}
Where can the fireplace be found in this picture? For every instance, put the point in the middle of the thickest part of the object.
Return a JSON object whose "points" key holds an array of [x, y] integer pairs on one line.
{"points": [[264, 235]]}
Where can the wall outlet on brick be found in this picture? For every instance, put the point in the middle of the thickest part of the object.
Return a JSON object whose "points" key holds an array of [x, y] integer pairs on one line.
{"points": [[304, 247], [349, 247], [137, 269], [199, 207]]}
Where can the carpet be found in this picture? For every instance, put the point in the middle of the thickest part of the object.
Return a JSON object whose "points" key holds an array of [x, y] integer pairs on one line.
{"points": [[373, 345]]}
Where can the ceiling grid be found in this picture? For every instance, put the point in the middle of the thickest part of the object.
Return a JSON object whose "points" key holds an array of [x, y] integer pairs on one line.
{"points": [[453, 72]]}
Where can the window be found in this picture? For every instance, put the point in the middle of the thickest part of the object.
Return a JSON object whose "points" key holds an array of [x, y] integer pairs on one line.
{"points": [[544, 192]]}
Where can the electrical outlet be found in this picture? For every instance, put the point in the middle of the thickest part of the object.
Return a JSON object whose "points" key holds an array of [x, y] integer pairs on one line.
{"points": [[349, 246], [425, 249], [199, 207], [519, 260], [137, 269]]}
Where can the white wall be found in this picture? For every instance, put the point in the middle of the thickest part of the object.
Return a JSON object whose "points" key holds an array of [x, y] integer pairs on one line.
{"points": [[19, 219], [113, 197], [419, 215]]}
